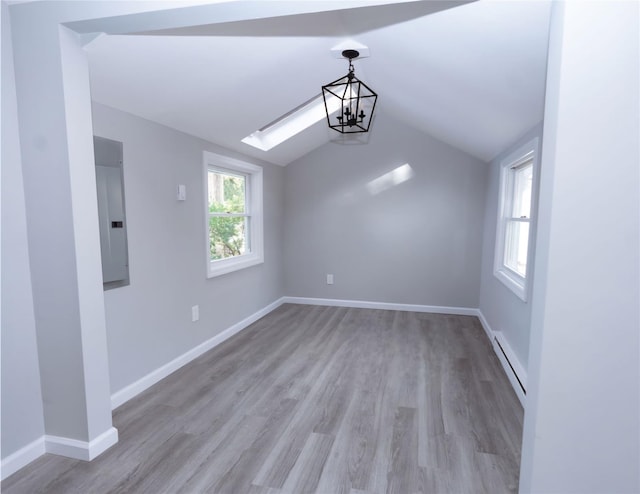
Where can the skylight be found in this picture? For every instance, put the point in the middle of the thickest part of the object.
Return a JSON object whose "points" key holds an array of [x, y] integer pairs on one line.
{"points": [[292, 123]]}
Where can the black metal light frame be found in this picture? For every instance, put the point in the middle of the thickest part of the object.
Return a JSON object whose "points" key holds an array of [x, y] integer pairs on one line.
{"points": [[355, 96]]}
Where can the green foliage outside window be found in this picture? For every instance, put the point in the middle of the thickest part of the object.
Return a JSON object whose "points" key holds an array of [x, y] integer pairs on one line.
{"points": [[227, 234]]}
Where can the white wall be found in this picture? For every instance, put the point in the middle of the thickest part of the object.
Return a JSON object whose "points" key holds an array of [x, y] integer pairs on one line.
{"points": [[149, 321], [504, 310], [582, 420], [415, 242], [56, 152], [22, 416]]}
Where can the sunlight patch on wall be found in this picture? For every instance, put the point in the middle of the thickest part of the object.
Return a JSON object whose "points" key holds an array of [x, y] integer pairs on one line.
{"points": [[390, 179]]}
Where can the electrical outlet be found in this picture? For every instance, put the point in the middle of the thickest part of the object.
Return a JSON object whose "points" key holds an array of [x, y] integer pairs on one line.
{"points": [[195, 313], [329, 279], [182, 193]]}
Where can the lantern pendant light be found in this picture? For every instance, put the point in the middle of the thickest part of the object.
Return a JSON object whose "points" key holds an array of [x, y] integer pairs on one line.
{"points": [[349, 102]]}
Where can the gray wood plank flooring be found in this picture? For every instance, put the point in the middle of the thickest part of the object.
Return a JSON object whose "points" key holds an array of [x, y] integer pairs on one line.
{"points": [[314, 399]]}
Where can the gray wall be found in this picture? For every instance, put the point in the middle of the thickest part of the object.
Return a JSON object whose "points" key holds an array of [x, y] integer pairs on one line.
{"points": [[22, 416], [149, 321], [502, 308], [417, 242]]}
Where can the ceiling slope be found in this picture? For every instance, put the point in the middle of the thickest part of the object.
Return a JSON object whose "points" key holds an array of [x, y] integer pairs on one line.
{"points": [[470, 75]]}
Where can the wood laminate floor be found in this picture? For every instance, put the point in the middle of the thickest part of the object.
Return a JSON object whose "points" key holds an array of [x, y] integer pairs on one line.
{"points": [[315, 399]]}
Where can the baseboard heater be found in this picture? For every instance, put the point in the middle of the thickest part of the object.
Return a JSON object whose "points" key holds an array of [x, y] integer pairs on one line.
{"points": [[510, 365]]}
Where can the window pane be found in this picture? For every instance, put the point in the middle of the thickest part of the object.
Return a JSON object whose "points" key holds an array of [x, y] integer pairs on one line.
{"points": [[522, 185], [228, 237], [516, 246], [226, 192]]}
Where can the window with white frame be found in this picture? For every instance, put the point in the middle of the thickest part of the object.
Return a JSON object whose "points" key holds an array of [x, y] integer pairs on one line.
{"points": [[513, 241], [233, 198]]}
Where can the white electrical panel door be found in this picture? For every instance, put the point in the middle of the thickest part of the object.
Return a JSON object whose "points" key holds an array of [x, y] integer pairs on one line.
{"points": [[113, 240]]}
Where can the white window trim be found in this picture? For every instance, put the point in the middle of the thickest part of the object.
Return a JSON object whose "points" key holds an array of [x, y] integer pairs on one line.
{"points": [[515, 282], [254, 195]]}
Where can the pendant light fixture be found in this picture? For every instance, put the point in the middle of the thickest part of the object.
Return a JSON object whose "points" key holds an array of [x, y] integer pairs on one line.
{"points": [[349, 100]]}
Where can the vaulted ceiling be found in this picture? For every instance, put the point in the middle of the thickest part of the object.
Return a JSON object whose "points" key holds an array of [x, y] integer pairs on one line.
{"points": [[470, 74]]}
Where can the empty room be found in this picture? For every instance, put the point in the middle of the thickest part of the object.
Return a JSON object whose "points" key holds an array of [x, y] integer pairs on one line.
{"points": [[361, 247]]}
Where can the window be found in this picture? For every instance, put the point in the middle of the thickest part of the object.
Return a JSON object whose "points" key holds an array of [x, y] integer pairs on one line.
{"points": [[513, 240], [233, 198]]}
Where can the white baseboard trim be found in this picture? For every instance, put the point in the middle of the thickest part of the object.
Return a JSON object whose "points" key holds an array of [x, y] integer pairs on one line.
{"points": [[363, 304], [63, 446], [81, 450], [125, 394], [514, 370], [21, 458]]}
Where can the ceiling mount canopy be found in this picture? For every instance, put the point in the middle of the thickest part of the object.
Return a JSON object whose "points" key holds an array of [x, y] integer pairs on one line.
{"points": [[349, 102]]}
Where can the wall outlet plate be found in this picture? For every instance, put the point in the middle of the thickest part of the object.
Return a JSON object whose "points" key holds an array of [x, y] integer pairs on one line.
{"points": [[182, 193], [195, 313]]}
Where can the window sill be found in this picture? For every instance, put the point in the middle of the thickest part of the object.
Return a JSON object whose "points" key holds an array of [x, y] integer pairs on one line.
{"points": [[514, 282], [225, 266]]}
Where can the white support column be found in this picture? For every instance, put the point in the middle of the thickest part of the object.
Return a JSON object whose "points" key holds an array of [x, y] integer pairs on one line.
{"points": [[57, 157], [582, 420]]}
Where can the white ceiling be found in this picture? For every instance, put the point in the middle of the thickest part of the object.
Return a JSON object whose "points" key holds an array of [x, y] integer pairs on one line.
{"points": [[472, 75]]}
